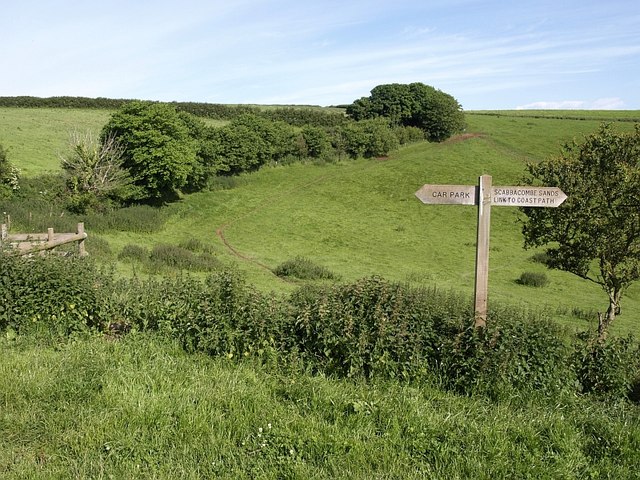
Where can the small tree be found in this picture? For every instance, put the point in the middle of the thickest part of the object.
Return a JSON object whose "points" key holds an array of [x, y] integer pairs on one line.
{"points": [[278, 138], [238, 149], [595, 233], [205, 166], [316, 141], [94, 172]]}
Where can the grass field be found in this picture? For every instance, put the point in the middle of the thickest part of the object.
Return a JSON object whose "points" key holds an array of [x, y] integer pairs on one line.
{"points": [[36, 137], [360, 218]]}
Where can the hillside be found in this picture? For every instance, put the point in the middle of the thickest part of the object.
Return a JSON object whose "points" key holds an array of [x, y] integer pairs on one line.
{"points": [[102, 376], [361, 218]]}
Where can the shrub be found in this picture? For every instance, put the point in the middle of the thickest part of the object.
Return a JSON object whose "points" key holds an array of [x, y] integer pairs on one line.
{"points": [[437, 113], [407, 135], [303, 269], [373, 328], [316, 141], [368, 138], [178, 258], [606, 367], [196, 245], [533, 279], [515, 353], [132, 252], [50, 294], [38, 205], [9, 175], [136, 218]]}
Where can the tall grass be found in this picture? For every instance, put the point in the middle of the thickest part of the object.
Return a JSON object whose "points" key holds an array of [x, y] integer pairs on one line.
{"points": [[140, 407]]}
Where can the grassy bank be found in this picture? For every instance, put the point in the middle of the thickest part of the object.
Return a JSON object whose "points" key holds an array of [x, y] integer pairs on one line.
{"points": [[139, 407]]}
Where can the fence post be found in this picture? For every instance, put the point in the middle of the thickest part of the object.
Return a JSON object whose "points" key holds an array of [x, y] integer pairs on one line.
{"points": [[81, 251], [3, 233]]}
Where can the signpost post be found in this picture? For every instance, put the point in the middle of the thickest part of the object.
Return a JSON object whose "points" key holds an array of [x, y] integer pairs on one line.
{"points": [[484, 195]]}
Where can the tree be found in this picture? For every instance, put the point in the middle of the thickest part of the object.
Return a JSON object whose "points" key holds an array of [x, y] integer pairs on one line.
{"points": [[316, 141], [158, 150], [238, 149], [205, 166], [94, 172], [595, 233], [368, 138], [278, 138], [437, 113]]}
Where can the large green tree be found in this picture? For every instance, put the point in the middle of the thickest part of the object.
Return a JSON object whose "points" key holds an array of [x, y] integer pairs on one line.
{"points": [[595, 233], [437, 113], [158, 150]]}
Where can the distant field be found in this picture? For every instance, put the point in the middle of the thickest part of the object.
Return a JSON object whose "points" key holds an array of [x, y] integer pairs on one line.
{"points": [[602, 115], [35, 137], [360, 218]]}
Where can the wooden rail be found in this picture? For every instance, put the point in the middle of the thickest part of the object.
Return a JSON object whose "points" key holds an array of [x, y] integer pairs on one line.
{"points": [[28, 243]]}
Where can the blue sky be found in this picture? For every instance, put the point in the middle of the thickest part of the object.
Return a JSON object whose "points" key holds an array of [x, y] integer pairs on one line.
{"points": [[487, 54]]}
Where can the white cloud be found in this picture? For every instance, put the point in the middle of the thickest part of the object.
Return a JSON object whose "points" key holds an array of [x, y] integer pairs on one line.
{"points": [[613, 103], [562, 105]]}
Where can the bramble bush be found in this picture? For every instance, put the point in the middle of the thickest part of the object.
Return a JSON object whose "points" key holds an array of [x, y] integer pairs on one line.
{"points": [[515, 353]]}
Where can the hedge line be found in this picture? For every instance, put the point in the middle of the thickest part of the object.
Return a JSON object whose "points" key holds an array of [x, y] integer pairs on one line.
{"points": [[294, 115], [368, 329]]}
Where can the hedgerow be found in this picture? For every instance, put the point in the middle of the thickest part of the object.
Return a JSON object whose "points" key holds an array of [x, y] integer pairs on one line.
{"points": [[368, 329]]}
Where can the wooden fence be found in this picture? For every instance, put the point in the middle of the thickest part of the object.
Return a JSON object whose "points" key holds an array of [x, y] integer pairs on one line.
{"points": [[29, 243]]}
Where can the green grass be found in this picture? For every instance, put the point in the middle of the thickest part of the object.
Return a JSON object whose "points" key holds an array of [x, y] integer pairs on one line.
{"points": [[35, 137], [360, 218], [140, 407]]}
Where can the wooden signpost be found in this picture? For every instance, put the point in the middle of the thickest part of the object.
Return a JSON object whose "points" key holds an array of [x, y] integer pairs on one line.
{"points": [[484, 195]]}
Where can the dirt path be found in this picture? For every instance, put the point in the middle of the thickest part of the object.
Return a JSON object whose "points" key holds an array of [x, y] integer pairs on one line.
{"points": [[263, 205]]}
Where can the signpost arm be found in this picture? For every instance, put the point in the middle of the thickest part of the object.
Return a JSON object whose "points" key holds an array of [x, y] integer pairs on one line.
{"points": [[482, 251]]}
